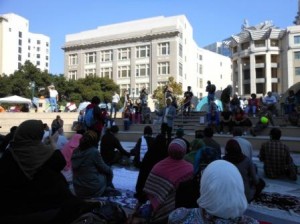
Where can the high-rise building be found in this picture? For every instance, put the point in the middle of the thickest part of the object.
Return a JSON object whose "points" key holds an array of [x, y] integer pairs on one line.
{"points": [[265, 58], [17, 45], [145, 53]]}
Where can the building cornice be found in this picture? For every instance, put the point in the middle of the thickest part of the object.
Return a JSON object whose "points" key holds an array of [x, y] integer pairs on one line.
{"points": [[100, 42]]}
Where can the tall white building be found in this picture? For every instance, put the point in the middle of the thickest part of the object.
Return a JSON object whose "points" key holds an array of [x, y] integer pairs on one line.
{"points": [[146, 53], [17, 45]]}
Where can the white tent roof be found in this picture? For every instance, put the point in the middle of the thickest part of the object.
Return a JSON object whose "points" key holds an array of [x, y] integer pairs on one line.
{"points": [[15, 99]]}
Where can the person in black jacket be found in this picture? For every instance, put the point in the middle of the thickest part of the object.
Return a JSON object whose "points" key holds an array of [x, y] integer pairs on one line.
{"points": [[32, 189], [109, 143]]}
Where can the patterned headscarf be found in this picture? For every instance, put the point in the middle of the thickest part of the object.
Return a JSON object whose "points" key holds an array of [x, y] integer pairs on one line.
{"points": [[222, 190], [177, 149]]}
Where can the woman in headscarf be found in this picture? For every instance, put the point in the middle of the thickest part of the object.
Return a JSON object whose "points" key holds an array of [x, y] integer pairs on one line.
{"points": [[252, 183], [165, 178], [222, 198], [32, 188], [67, 152], [91, 176], [157, 152]]}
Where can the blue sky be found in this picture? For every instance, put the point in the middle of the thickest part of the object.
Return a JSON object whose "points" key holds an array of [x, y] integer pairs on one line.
{"points": [[212, 20]]}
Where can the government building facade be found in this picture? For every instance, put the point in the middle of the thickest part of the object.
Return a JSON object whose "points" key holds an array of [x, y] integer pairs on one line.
{"points": [[145, 53]]}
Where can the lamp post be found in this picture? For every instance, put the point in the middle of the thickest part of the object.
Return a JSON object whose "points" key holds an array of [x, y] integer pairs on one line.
{"points": [[32, 85]]}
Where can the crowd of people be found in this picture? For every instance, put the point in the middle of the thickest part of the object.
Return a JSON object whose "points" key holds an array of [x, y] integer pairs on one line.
{"points": [[47, 178]]}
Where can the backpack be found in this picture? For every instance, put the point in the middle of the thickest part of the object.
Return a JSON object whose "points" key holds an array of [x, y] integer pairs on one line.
{"points": [[89, 119]]}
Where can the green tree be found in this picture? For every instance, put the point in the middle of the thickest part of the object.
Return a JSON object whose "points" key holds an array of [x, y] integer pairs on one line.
{"points": [[159, 92]]}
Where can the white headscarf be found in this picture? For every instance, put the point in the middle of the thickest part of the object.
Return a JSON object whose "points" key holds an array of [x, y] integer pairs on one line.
{"points": [[222, 190]]}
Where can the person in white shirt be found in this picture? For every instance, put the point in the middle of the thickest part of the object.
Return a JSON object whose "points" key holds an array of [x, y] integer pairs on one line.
{"points": [[270, 102], [53, 94], [114, 104], [246, 146]]}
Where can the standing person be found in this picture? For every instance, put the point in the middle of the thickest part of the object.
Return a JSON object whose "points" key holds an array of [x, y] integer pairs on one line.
{"points": [[91, 176], [188, 95], [225, 96], [143, 96], [109, 143], [53, 94], [114, 104], [168, 115], [276, 157], [210, 89], [289, 105], [56, 124]]}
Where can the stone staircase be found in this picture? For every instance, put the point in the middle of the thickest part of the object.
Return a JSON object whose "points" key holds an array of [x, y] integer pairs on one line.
{"points": [[290, 134]]}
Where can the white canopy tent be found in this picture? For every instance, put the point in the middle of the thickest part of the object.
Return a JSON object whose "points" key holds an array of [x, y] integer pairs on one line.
{"points": [[15, 99]]}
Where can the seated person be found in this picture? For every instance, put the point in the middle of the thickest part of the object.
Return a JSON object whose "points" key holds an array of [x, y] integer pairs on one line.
{"points": [[32, 188], [265, 118], [270, 102], [180, 134], [252, 106], [109, 143], [235, 103], [143, 144], [276, 157], [213, 116], [91, 176], [226, 119], [225, 204], [240, 119], [252, 183], [164, 179]]}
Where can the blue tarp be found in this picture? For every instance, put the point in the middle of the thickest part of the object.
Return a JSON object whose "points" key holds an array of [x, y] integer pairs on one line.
{"points": [[203, 106]]}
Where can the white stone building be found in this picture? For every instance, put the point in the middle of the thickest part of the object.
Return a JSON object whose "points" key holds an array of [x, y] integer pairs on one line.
{"points": [[17, 45], [146, 53]]}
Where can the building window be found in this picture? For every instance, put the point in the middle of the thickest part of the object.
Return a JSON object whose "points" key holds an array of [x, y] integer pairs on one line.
{"points": [[297, 70], [73, 75], [28, 47], [20, 42], [180, 50], [20, 50], [47, 58], [124, 87], [90, 72], [19, 57], [274, 43], [259, 43], [142, 70], [29, 40], [38, 48], [29, 55], [163, 68], [20, 34], [73, 59], [47, 44], [180, 69], [38, 63], [200, 69], [90, 58], [297, 55], [124, 54], [46, 64], [245, 46], [19, 65], [38, 42], [38, 56], [106, 72], [124, 71], [143, 51], [200, 57], [164, 48], [201, 83], [107, 55], [296, 39], [140, 86], [234, 49]]}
